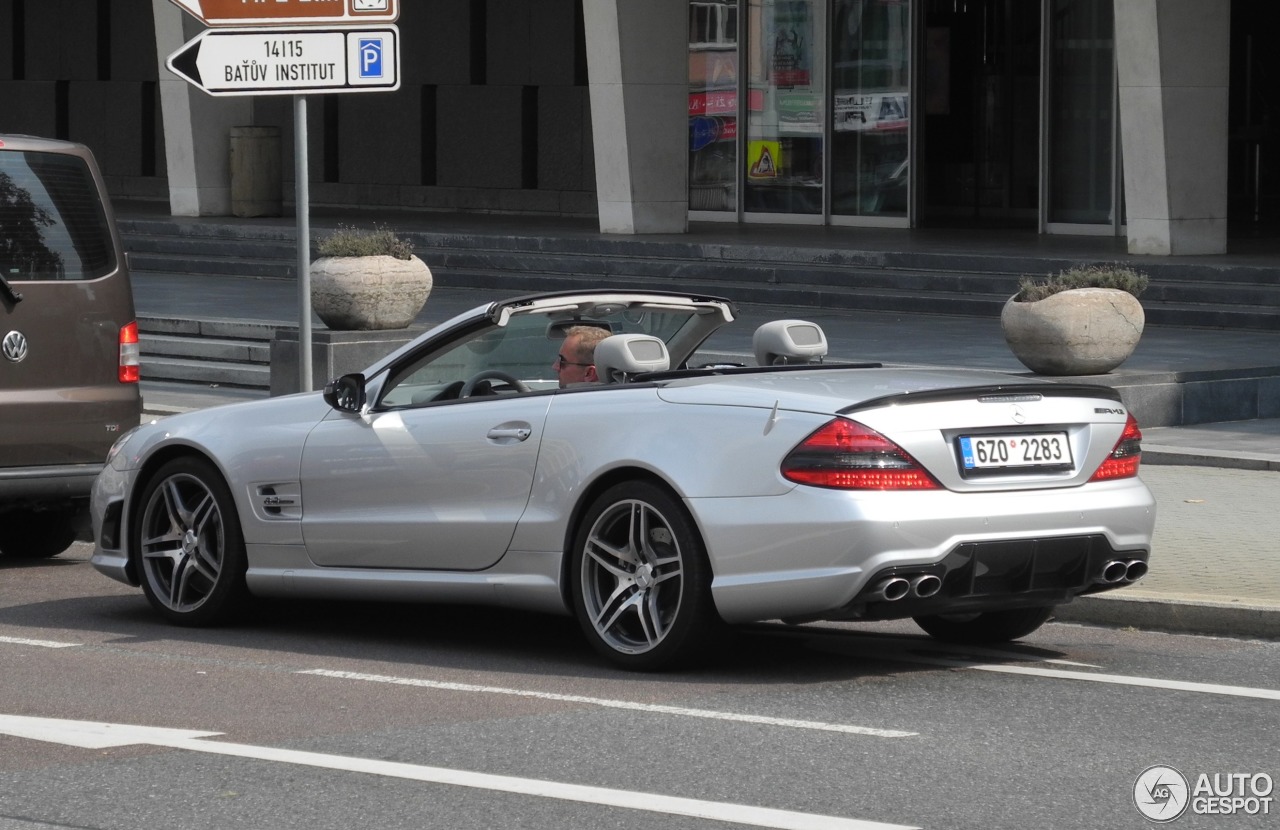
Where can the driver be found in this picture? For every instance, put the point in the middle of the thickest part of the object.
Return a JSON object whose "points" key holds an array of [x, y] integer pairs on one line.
{"points": [[573, 365]]}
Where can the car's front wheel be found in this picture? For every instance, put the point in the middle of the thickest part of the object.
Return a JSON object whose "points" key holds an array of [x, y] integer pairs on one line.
{"points": [[640, 579], [986, 626], [189, 545]]}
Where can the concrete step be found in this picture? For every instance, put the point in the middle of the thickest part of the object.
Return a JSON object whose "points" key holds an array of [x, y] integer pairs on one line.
{"points": [[205, 372], [179, 262], [229, 353], [205, 348]]}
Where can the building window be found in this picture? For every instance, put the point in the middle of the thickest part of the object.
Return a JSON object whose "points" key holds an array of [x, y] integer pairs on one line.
{"points": [[713, 25], [713, 106]]}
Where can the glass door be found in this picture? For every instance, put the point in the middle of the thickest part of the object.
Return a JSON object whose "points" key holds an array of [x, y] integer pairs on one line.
{"points": [[1082, 174], [870, 72], [713, 106], [784, 168], [981, 135]]}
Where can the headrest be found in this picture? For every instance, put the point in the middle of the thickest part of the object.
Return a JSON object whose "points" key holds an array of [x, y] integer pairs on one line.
{"points": [[622, 355], [789, 341]]}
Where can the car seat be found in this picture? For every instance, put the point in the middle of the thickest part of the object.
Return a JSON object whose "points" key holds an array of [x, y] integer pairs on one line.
{"points": [[620, 357], [783, 342]]}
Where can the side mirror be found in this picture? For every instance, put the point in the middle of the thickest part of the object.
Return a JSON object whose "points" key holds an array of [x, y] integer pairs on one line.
{"points": [[346, 394]]}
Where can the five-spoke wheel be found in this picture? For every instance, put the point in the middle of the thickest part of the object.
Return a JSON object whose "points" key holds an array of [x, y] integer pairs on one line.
{"points": [[640, 579], [188, 544]]}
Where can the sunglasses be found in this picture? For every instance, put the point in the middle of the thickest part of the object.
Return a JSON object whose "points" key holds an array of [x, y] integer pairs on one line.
{"points": [[562, 361]]}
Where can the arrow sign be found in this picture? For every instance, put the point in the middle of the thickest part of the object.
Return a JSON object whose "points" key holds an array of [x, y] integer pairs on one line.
{"points": [[290, 12], [290, 61], [92, 735]]}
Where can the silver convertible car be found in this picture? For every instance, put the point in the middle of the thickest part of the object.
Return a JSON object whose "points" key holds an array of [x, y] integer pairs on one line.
{"points": [[656, 503]]}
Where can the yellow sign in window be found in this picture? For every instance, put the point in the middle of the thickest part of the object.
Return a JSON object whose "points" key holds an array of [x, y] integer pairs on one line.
{"points": [[764, 159]]}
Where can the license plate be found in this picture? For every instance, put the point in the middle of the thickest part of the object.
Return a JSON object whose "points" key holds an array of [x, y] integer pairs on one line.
{"points": [[994, 452]]}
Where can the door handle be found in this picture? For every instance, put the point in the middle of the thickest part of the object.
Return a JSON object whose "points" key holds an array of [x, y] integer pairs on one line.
{"points": [[506, 433]]}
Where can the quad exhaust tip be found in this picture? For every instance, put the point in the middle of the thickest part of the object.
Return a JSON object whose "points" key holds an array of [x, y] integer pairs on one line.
{"points": [[1123, 570], [925, 586], [894, 588]]}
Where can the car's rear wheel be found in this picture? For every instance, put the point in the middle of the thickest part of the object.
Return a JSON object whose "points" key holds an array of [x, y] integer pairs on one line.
{"points": [[987, 626], [640, 579], [189, 546], [36, 534]]}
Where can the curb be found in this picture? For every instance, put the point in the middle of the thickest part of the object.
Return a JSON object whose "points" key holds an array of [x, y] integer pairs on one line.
{"points": [[1189, 457], [1177, 616]]}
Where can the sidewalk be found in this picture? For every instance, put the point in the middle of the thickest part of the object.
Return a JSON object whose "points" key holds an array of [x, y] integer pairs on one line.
{"points": [[1215, 565]]}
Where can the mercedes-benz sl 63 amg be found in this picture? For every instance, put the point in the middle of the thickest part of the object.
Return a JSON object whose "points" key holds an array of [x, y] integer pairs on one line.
{"points": [[655, 503]]}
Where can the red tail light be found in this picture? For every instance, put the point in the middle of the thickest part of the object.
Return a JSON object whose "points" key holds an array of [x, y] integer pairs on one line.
{"points": [[849, 456], [130, 365], [1125, 456]]}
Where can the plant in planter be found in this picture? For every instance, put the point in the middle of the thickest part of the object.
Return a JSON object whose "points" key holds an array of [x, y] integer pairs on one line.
{"points": [[366, 280], [1083, 321]]}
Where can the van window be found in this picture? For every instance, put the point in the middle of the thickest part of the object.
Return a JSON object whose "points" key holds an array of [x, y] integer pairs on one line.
{"points": [[52, 226]]}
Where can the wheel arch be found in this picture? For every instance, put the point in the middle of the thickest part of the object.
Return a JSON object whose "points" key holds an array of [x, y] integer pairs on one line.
{"points": [[592, 492], [144, 474]]}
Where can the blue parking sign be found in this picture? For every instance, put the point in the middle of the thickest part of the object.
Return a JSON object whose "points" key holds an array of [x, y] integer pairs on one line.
{"points": [[370, 57]]}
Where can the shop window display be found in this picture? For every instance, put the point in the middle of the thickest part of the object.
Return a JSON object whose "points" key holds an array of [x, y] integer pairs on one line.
{"points": [[713, 106]]}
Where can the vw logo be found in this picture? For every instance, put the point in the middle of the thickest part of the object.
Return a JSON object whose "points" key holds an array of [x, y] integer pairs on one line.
{"points": [[15, 346]]}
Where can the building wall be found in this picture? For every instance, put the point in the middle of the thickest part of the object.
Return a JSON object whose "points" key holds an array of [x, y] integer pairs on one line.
{"points": [[492, 114], [82, 70]]}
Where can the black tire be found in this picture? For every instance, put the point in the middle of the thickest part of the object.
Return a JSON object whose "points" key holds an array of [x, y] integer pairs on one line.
{"points": [[985, 627], [36, 534], [188, 545], [640, 579]]}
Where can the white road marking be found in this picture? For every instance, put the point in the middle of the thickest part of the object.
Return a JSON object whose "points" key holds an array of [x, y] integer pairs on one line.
{"points": [[1117, 679], [617, 704], [22, 641], [93, 735]]}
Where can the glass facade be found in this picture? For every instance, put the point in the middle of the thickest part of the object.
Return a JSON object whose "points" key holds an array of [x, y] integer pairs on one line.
{"points": [[807, 111], [713, 106], [786, 80], [1082, 113], [871, 74]]}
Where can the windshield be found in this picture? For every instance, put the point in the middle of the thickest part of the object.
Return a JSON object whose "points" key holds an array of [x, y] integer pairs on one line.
{"points": [[524, 349], [52, 225]]}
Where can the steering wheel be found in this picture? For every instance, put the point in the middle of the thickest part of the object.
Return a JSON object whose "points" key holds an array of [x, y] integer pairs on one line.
{"points": [[469, 387]]}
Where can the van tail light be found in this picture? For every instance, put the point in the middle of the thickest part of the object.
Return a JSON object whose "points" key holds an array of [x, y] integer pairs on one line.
{"points": [[130, 355], [1125, 456], [846, 455]]}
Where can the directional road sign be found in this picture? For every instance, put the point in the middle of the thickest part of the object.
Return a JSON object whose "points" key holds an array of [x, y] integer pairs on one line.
{"points": [[291, 61], [290, 12]]}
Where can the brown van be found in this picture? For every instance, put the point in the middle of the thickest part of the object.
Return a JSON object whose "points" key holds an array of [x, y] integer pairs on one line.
{"points": [[68, 342]]}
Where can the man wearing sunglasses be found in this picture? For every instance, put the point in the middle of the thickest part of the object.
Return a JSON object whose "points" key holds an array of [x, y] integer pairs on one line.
{"points": [[574, 364]]}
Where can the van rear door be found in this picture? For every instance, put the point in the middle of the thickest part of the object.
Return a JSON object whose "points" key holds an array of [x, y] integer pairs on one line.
{"points": [[67, 312]]}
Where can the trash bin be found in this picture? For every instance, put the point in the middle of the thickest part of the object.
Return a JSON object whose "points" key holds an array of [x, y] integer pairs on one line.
{"points": [[257, 188]]}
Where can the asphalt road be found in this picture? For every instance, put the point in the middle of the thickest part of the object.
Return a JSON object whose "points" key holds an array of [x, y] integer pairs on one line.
{"points": [[352, 716]]}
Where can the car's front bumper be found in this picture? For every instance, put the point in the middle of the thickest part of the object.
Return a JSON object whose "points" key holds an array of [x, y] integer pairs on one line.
{"points": [[106, 507]]}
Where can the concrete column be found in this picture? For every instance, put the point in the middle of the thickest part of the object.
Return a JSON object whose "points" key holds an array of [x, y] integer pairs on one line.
{"points": [[197, 126], [1172, 62], [637, 63]]}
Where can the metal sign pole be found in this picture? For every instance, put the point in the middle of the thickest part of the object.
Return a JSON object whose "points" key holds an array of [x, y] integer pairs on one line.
{"points": [[302, 196]]}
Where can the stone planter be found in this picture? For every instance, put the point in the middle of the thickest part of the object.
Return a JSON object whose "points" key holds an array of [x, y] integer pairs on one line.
{"points": [[369, 293], [1083, 331]]}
